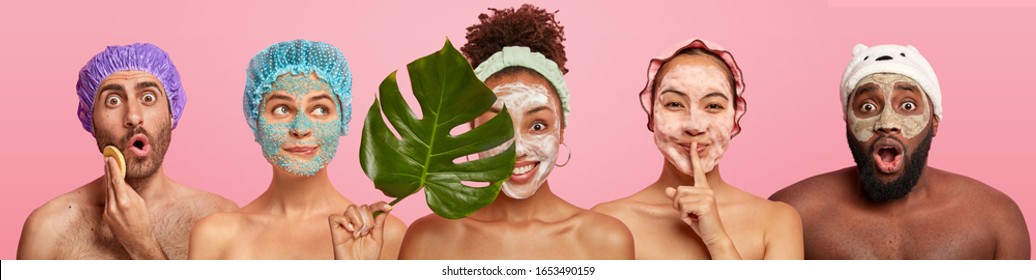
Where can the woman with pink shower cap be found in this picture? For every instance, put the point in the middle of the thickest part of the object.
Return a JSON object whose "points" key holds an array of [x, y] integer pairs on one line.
{"points": [[694, 100]]}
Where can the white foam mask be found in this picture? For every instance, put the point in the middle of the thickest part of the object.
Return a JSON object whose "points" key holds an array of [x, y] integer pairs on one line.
{"points": [[681, 119], [530, 145], [892, 114]]}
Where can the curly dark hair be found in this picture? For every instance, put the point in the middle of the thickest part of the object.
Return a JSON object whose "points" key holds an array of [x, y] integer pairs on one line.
{"points": [[528, 26]]}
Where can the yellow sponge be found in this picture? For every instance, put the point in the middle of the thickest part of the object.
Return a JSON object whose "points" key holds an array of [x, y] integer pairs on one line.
{"points": [[112, 151]]}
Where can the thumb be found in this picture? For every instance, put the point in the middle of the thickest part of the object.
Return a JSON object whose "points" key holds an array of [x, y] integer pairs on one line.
{"points": [[379, 221], [670, 192], [339, 225]]}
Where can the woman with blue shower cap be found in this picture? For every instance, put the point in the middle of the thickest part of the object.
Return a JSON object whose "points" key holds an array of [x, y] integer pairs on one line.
{"points": [[297, 102]]}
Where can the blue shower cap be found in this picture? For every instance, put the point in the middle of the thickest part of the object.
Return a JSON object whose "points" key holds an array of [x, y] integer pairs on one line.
{"points": [[136, 57], [295, 58]]}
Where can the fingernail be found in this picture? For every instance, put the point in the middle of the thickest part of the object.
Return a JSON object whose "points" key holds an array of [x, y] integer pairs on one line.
{"points": [[350, 227], [388, 207]]}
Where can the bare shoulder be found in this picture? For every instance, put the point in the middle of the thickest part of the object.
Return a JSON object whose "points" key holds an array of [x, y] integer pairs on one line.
{"points": [[967, 188], [598, 228], [205, 202], [47, 224], [614, 207], [395, 230], [974, 194], [604, 236], [210, 235], [817, 189], [427, 235], [623, 209], [997, 210]]}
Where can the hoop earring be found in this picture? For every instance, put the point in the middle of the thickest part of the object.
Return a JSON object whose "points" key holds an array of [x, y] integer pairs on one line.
{"points": [[569, 156]]}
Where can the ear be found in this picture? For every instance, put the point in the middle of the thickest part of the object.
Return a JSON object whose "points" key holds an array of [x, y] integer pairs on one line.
{"points": [[858, 49], [935, 125], [648, 105]]}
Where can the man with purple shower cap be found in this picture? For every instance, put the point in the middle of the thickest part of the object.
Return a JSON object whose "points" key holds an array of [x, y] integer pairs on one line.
{"points": [[133, 211]]}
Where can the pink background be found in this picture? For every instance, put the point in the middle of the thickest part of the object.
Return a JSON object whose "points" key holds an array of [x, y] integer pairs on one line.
{"points": [[792, 55]]}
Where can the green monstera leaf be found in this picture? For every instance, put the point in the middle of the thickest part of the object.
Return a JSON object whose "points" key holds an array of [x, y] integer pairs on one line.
{"points": [[423, 156]]}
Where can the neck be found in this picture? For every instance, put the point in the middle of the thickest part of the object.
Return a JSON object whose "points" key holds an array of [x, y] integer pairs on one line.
{"points": [[294, 194], [539, 206], [153, 187], [920, 192], [672, 177]]}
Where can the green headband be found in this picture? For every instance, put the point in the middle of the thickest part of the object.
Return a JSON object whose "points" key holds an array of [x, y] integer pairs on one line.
{"points": [[526, 58]]}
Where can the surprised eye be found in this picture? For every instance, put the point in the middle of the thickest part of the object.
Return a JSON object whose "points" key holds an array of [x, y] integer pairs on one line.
{"points": [[868, 107], [538, 126], [113, 100], [148, 98], [909, 106]]}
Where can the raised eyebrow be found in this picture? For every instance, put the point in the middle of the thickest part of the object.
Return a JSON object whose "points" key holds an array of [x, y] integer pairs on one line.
{"points": [[672, 91], [866, 88], [319, 97], [907, 87], [108, 87], [147, 84], [716, 94], [279, 97], [537, 109]]}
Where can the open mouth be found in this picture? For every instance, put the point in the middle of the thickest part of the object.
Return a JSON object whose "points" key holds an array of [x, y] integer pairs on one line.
{"points": [[523, 171], [138, 145], [888, 155]]}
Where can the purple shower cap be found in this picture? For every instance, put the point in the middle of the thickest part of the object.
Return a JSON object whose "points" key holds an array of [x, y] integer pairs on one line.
{"points": [[139, 57]]}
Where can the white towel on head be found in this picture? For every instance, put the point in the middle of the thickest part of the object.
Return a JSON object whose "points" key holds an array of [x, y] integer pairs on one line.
{"points": [[896, 59]]}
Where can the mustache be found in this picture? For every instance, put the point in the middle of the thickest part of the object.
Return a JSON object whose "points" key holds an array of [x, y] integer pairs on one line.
{"points": [[137, 130], [871, 149]]}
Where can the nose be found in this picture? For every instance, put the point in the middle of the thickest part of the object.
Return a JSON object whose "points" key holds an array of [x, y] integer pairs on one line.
{"points": [[134, 116], [299, 133], [695, 126], [301, 126], [886, 123]]}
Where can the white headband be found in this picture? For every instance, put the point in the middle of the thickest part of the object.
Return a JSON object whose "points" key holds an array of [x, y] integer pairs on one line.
{"points": [[895, 59]]}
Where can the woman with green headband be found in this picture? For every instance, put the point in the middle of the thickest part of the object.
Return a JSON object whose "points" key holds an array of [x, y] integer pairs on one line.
{"points": [[298, 103], [518, 54]]}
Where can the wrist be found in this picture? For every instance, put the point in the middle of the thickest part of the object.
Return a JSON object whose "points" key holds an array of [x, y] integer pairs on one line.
{"points": [[147, 249], [722, 248]]}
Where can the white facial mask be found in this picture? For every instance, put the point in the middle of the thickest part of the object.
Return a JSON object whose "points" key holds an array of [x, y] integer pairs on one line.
{"points": [[689, 120], [890, 117], [537, 147]]}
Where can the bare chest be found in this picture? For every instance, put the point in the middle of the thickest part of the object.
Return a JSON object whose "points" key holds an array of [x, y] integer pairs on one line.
{"points": [[543, 242], [282, 240], [664, 236], [88, 237], [934, 236]]}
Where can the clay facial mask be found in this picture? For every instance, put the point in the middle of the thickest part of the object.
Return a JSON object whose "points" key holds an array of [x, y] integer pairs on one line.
{"points": [[891, 114]]}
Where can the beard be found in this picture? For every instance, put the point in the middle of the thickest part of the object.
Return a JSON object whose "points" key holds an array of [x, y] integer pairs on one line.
{"points": [[876, 190], [137, 168]]}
